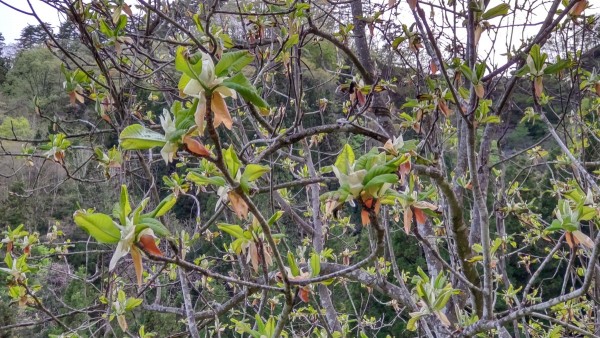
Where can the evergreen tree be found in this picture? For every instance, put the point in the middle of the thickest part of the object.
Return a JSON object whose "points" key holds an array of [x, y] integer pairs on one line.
{"points": [[32, 36]]}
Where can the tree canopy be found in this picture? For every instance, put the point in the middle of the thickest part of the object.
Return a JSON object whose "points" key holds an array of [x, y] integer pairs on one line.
{"points": [[302, 168]]}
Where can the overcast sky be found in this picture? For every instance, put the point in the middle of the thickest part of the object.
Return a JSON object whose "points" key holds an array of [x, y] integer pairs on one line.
{"points": [[12, 22]]}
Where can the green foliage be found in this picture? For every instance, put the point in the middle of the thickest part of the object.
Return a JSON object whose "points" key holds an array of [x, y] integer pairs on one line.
{"points": [[16, 128]]}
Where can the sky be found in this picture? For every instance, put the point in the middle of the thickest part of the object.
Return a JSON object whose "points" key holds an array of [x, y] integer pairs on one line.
{"points": [[12, 22]]}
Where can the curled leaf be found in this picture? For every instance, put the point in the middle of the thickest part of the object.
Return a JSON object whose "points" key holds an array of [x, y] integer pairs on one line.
{"points": [[420, 216], [148, 243], [137, 264], [579, 7], [433, 67], [304, 293], [584, 239], [412, 4], [238, 205], [479, 90], [195, 147], [407, 219], [364, 216], [219, 108], [538, 86]]}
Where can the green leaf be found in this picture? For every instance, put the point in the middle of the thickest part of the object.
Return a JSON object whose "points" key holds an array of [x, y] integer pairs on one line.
{"points": [[292, 263], [292, 41], [260, 325], [232, 161], [254, 172], [468, 73], [154, 224], [522, 71], [377, 171], [276, 216], [105, 29], [99, 226], [233, 62], [234, 230], [125, 207], [183, 82], [536, 58], [242, 86], [182, 64], [132, 303], [479, 70], [138, 210], [557, 66], [555, 226], [497, 11], [381, 179], [121, 23], [315, 264], [345, 159], [136, 137], [164, 206], [587, 213], [204, 181], [412, 322], [366, 161]]}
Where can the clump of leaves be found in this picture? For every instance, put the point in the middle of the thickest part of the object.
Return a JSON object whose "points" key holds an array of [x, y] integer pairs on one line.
{"points": [[252, 242], [433, 295], [568, 219], [244, 178], [366, 179], [202, 80], [133, 228]]}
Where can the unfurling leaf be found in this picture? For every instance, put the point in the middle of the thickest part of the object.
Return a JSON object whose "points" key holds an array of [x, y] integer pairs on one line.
{"points": [[127, 9], [292, 263], [242, 86], [442, 317], [345, 160], [254, 171], [404, 170], [362, 100], [164, 206], [315, 264]]}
